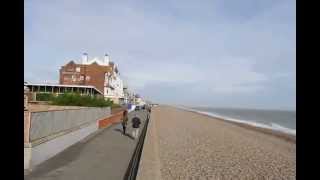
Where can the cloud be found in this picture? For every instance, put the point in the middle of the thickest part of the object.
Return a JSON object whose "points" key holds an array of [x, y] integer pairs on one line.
{"points": [[208, 48]]}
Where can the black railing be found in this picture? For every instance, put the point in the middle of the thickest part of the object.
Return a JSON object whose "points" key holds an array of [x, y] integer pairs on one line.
{"points": [[132, 170]]}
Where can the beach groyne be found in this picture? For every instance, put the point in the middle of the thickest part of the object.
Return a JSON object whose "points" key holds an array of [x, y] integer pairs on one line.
{"points": [[50, 130]]}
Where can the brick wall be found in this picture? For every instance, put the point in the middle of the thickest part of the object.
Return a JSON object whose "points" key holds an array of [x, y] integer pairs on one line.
{"points": [[94, 71], [114, 118], [26, 126]]}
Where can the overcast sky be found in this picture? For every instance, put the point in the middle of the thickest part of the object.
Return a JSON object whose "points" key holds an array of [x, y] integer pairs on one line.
{"points": [[218, 53]]}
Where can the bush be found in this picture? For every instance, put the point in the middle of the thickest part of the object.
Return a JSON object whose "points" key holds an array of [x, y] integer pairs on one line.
{"points": [[44, 97], [115, 106], [72, 99]]}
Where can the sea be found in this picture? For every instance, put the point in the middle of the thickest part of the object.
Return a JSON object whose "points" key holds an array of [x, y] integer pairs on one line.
{"points": [[278, 120]]}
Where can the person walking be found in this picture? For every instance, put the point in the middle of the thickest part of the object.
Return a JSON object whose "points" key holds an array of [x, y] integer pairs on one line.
{"points": [[124, 121], [149, 112], [135, 125]]}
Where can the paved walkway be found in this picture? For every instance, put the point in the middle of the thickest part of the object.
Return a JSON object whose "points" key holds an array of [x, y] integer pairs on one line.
{"points": [[104, 155]]}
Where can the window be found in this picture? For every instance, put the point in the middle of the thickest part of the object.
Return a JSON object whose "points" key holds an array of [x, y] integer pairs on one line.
{"points": [[78, 69], [73, 78], [88, 78], [81, 78]]}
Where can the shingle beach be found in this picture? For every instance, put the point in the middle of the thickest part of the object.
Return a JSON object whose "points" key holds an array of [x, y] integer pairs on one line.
{"points": [[188, 145]]}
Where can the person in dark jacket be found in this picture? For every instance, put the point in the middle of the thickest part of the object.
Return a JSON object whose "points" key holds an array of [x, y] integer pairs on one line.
{"points": [[149, 112], [135, 125], [124, 121]]}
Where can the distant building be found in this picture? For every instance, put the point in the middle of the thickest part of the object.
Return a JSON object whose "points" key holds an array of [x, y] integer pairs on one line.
{"points": [[126, 95], [26, 91], [138, 100], [103, 74]]}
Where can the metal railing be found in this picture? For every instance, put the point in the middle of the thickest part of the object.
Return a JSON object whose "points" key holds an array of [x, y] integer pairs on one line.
{"points": [[132, 170]]}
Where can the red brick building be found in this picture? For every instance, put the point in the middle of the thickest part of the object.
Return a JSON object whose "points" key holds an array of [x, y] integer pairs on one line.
{"points": [[86, 73], [100, 73]]}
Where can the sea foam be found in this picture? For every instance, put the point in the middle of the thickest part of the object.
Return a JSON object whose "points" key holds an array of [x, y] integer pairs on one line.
{"points": [[272, 126]]}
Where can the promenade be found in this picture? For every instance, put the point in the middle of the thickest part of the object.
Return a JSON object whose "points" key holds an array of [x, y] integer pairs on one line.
{"points": [[185, 145], [103, 155]]}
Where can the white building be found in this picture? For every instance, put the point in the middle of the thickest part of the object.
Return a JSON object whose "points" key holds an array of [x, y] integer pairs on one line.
{"points": [[113, 84], [105, 62], [139, 101]]}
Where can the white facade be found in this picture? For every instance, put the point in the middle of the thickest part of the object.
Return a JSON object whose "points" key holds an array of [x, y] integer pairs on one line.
{"points": [[97, 60], [104, 62], [140, 102], [113, 86]]}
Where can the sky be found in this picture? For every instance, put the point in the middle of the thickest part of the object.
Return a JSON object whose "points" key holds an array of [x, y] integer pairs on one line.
{"points": [[217, 53]]}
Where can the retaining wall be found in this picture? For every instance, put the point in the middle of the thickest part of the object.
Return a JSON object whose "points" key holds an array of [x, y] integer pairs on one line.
{"points": [[115, 118], [48, 149], [50, 122], [47, 133], [26, 126]]}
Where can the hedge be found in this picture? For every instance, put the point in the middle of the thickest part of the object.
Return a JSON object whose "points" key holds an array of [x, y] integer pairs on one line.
{"points": [[73, 99]]}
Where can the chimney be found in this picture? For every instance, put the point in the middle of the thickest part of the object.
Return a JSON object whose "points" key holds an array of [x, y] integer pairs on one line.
{"points": [[106, 59], [84, 58]]}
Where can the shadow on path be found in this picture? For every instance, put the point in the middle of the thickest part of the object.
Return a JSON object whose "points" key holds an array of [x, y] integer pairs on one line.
{"points": [[121, 131], [62, 159]]}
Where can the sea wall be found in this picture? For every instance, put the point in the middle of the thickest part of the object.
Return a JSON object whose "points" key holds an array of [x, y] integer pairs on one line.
{"points": [[46, 133], [50, 122], [44, 151]]}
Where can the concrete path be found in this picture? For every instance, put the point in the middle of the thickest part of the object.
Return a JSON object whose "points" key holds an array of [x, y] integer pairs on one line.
{"points": [[104, 155]]}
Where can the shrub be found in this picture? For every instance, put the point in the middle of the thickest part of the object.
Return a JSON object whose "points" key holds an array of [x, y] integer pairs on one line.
{"points": [[115, 106], [73, 99], [44, 97]]}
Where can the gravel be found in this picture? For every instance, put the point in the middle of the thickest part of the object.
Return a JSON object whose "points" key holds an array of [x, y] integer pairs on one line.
{"points": [[192, 146]]}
